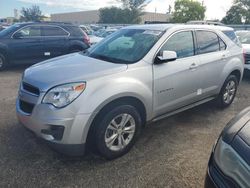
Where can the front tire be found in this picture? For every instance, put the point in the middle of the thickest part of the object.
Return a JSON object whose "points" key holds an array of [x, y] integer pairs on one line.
{"points": [[228, 91], [3, 64], [117, 131]]}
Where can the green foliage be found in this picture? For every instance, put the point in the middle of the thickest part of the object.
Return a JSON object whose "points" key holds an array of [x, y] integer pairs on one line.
{"points": [[187, 10], [116, 15], [239, 11], [31, 14], [130, 13], [234, 15]]}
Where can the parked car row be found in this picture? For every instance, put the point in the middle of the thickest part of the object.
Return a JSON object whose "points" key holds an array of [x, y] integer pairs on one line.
{"points": [[137, 75]]}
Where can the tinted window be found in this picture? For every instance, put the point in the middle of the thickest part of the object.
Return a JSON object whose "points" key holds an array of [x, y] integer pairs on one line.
{"points": [[223, 46], [182, 43], [53, 31], [232, 36], [30, 31], [207, 42]]}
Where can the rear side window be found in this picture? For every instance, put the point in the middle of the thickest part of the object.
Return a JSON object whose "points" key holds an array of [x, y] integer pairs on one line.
{"points": [[223, 46], [182, 43], [207, 42], [232, 36], [76, 31], [53, 31]]}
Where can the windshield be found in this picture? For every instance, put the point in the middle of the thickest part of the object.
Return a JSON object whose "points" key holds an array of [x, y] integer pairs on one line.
{"points": [[244, 37], [125, 46], [9, 30]]}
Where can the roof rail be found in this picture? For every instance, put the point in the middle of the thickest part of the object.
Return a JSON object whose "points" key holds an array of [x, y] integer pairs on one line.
{"points": [[53, 22], [205, 22]]}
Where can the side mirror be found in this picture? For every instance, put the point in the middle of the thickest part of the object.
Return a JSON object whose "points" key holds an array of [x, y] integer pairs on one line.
{"points": [[166, 57], [17, 35]]}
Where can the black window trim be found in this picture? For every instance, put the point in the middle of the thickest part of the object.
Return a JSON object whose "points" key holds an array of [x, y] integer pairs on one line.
{"points": [[41, 25], [212, 31], [175, 32]]}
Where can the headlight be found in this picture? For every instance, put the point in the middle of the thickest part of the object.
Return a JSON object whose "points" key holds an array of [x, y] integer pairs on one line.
{"points": [[63, 95], [231, 164]]}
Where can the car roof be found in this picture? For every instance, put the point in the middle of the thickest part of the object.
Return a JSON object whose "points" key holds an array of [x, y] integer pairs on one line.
{"points": [[164, 27], [45, 23]]}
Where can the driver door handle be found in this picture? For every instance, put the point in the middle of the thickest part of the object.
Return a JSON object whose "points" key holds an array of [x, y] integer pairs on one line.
{"points": [[193, 66]]}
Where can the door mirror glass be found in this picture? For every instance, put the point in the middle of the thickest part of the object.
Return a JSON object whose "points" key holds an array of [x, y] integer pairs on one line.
{"points": [[167, 56]]}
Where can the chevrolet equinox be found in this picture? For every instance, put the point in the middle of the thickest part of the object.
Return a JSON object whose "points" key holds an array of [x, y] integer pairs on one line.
{"points": [[104, 96]]}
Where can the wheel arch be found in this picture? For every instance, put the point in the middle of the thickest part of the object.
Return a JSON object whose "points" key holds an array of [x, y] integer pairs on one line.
{"points": [[130, 100]]}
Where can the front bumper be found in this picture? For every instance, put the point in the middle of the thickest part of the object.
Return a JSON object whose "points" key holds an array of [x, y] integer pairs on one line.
{"points": [[63, 129]]}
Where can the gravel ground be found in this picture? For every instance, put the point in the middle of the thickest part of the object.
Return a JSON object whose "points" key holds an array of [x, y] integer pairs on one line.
{"points": [[170, 153]]}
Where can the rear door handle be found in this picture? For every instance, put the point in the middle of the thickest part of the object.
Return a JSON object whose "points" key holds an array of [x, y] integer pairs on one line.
{"points": [[193, 66]]}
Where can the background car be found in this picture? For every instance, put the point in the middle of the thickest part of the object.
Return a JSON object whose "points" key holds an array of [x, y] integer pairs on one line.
{"points": [[33, 42], [229, 164], [244, 37], [92, 37]]}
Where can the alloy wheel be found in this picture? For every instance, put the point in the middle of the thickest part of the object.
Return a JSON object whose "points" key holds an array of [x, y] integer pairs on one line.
{"points": [[120, 132]]}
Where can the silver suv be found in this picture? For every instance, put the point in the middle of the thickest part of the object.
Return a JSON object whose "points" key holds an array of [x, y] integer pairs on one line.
{"points": [[102, 98]]}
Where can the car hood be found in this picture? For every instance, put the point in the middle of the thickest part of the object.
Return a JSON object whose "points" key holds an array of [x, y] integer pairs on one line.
{"points": [[69, 68], [235, 125]]}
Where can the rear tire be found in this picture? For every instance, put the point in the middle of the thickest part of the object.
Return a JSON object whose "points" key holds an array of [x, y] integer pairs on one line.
{"points": [[3, 63], [116, 133], [228, 92]]}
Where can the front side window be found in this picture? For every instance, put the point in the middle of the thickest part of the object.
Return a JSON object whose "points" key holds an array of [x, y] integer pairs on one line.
{"points": [[125, 46], [51, 31], [30, 31], [182, 43], [207, 42]]}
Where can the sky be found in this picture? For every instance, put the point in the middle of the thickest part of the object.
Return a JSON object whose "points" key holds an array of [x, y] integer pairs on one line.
{"points": [[216, 9]]}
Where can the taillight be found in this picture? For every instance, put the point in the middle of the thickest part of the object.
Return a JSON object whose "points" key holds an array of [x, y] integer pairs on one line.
{"points": [[86, 38]]}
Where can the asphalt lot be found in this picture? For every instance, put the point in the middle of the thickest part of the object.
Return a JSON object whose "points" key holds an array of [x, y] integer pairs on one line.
{"points": [[170, 153]]}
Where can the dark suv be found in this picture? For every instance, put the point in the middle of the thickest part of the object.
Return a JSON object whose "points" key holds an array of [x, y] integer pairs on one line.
{"points": [[33, 42]]}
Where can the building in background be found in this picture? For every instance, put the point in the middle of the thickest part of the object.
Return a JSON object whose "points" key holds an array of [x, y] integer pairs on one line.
{"points": [[92, 17], [16, 14]]}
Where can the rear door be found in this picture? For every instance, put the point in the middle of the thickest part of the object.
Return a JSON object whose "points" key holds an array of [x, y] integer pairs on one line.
{"points": [[213, 55], [53, 41], [25, 45]]}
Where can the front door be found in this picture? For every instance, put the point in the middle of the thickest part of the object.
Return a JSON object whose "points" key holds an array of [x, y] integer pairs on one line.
{"points": [[25, 45], [177, 83]]}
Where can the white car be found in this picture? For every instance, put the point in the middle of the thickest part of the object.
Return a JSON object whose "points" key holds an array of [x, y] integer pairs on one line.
{"points": [[244, 37]]}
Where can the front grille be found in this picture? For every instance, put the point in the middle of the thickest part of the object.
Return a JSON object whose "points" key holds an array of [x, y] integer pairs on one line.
{"points": [[31, 89], [247, 57], [26, 107]]}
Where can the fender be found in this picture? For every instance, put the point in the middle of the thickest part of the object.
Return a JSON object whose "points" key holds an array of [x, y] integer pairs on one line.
{"points": [[110, 90], [235, 63]]}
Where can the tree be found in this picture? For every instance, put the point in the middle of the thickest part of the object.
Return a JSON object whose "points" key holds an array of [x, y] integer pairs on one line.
{"points": [[239, 11], [130, 13], [187, 10], [31, 14], [234, 15]]}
